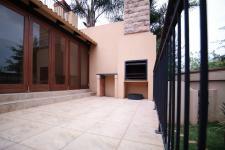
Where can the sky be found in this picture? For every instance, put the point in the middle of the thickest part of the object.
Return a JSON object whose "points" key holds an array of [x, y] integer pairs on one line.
{"points": [[216, 25]]}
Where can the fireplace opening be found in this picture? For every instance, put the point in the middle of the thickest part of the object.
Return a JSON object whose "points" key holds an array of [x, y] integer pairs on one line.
{"points": [[136, 70]]}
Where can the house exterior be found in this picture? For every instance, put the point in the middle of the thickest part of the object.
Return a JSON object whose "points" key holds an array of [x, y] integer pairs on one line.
{"points": [[42, 50]]}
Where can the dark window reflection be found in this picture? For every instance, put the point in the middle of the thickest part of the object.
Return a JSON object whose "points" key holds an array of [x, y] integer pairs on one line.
{"points": [[74, 62], [84, 66], [59, 59], [11, 46], [40, 54]]}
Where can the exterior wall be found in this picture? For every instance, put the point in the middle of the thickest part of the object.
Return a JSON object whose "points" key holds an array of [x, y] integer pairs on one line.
{"points": [[114, 48], [109, 86], [216, 96]]}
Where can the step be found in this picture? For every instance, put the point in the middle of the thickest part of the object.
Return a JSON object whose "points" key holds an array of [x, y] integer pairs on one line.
{"points": [[30, 95], [34, 102]]}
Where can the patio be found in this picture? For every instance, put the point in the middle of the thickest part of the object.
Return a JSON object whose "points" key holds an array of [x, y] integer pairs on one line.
{"points": [[91, 123]]}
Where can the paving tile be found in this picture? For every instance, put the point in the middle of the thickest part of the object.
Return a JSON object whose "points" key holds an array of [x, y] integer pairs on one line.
{"points": [[114, 130], [45, 117], [80, 124], [86, 123], [144, 134], [18, 147], [129, 145], [53, 139], [23, 131], [5, 143], [93, 142], [7, 123]]}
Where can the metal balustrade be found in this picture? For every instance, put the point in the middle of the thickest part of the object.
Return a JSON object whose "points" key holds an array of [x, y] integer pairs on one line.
{"points": [[167, 78]]}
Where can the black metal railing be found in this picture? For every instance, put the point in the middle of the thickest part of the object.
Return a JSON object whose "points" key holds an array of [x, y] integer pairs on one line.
{"points": [[167, 78]]}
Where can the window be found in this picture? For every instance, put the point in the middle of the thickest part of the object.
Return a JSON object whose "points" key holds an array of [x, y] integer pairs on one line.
{"points": [[11, 47], [136, 70], [74, 68], [60, 52], [40, 54], [84, 66]]}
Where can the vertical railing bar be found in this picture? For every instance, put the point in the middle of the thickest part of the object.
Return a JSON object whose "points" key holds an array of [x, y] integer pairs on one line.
{"points": [[170, 94], [187, 77], [203, 103], [166, 90], [178, 85], [173, 88]]}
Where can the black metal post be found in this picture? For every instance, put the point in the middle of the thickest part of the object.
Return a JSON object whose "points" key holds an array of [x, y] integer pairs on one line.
{"points": [[203, 109], [173, 88], [187, 77], [178, 85]]}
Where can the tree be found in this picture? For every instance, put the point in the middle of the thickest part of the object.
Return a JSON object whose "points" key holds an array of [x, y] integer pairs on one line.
{"points": [[91, 10], [157, 17], [15, 62]]}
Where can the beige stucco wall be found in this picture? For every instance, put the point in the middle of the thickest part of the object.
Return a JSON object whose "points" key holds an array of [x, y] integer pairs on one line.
{"points": [[114, 48], [109, 86], [216, 96]]}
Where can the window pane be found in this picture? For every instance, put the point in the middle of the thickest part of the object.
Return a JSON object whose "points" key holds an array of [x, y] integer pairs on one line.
{"points": [[40, 54], [59, 59], [11, 46], [84, 66], [74, 75]]}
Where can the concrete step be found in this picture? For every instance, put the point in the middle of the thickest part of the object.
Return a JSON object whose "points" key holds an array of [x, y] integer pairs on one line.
{"points": [[30, 95], [12, 105]]}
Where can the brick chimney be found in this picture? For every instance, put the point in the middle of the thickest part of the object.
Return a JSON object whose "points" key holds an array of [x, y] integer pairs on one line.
{"points": [[136, 16], [64, 10]]}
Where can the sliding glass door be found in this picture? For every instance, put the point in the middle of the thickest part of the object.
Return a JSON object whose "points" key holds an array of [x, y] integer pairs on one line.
{"points": [[74, 65], [84, 64], [12, 50], [39, 57], [59, 62], [36, 56]]}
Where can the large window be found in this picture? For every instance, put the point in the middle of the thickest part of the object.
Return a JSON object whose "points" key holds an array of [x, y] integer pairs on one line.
{"points": [[60, 52], [84, 66], [36, 56], [40, 54], [74, 66], [11, 46]]}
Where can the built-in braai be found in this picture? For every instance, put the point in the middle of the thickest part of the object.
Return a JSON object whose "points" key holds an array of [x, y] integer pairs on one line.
{"points": [[136, 70]]}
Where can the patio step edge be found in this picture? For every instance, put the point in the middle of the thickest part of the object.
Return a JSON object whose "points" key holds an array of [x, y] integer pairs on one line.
{"points": [[34, 102], [29, 95]]}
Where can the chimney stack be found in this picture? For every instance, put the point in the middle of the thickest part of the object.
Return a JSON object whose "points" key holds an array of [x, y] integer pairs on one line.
{"points": [[136, 16], [64, 10]]}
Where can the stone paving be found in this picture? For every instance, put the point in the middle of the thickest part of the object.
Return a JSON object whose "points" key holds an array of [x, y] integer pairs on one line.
{"points": [[91, 123]]}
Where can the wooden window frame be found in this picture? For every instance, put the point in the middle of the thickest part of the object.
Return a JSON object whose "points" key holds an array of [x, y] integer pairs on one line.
{"points": [[53, 84], [78, 65], [38, 87], [27, 84], [9, 88]]}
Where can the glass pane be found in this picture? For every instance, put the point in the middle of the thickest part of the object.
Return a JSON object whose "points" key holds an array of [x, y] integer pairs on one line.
{"points": [[84, 66], [40, 54], [59, 59], [11, 47], [74, 61]]}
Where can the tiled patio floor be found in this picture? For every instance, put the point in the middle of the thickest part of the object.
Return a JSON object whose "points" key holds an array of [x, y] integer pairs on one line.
{"points": [[91, 123]]}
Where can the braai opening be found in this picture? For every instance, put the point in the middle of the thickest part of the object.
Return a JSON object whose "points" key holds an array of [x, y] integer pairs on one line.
{"points": [[136, 70]]}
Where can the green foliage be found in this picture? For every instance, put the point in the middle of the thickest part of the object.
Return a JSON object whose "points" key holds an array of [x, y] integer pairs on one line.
{"points": [[91, 10], [157, 17], [215, 137], [215, 61]]}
